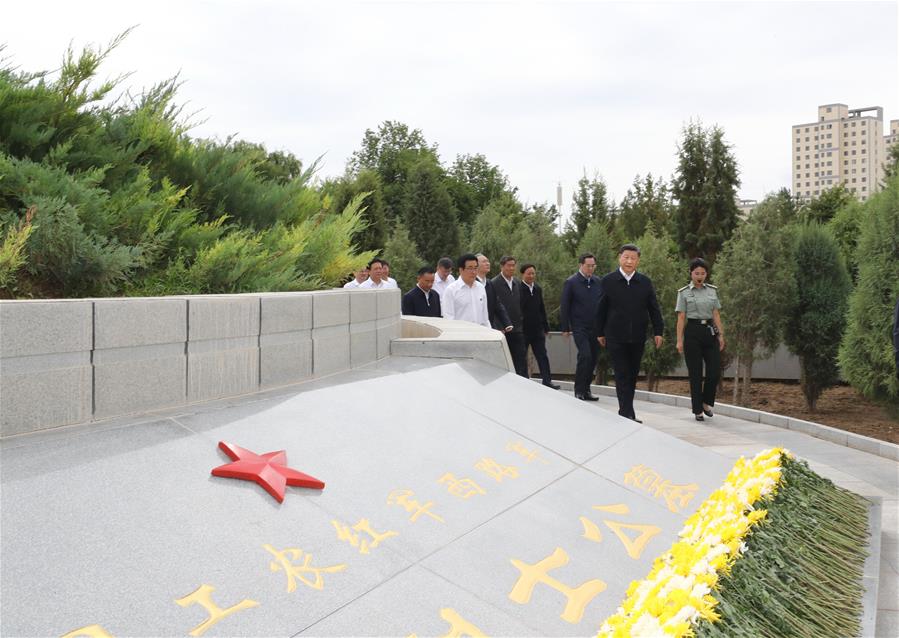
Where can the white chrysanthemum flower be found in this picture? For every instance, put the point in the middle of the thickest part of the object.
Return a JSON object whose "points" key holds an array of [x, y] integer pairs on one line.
{"points": [[647, 627]]}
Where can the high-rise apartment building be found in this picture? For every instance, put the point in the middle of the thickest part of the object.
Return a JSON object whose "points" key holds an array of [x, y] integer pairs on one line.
{"points": [[844, 146]]}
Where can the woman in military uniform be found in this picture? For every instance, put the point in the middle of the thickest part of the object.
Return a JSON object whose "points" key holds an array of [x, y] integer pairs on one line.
{"points": [[700, 337]]}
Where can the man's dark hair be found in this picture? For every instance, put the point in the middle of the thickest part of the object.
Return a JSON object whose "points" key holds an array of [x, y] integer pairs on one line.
{"points": [[426, 270], [460, 264], [445, 262], [506, 258], [525, 267], [629, 247], [585, 257], [384, 262], [376, 260]]}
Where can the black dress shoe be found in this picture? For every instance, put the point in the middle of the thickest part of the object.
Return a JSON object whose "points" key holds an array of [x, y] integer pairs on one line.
{"points": [[637, 420], [708, 413], [554, 386], [699, 417], [586, 397]]}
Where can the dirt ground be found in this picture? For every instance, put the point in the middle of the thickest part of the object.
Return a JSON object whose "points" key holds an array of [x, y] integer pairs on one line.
{"points": [[840, 407]]}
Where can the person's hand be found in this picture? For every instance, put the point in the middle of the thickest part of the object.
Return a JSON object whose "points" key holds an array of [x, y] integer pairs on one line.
{"points": [[602, 341], [720, 342], [659, 339], [565, 334], [680, 346]]}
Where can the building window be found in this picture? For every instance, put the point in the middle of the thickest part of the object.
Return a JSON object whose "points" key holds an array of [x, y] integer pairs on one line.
{"points": [[853, 124], [864, 150], [864, 179], [864, 188]]}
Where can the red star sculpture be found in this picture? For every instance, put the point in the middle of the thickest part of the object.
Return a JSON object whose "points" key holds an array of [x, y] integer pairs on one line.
{"points": [[269, 470]]}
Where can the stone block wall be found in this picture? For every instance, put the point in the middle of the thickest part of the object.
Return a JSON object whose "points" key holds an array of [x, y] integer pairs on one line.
{"points": [[65, 362]]}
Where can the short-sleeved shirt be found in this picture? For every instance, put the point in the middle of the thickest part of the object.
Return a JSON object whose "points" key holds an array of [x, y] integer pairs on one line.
{"points": [[697, 302]]}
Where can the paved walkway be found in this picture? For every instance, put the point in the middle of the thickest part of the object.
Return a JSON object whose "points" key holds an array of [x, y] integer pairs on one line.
{"points": [[863, 473]]}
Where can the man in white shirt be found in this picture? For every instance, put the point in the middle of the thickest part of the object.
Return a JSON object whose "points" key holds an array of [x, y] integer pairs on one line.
{"points": [[375, 275], [389, 282], [466, 299], [359, 278], [443, 277]]}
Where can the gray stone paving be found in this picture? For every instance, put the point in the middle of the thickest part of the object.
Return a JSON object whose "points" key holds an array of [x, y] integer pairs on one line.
{"points": [[470, 468]]}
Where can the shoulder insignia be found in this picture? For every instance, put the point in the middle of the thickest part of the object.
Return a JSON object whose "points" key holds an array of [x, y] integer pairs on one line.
{"points": [[684, 288]]}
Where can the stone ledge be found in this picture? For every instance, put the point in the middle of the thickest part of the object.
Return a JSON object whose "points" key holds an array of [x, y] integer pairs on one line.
{"points": [[451, 339]]}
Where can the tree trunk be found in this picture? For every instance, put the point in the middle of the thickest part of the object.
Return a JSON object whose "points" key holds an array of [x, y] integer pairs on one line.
{"points": [[736, 397], [652, 381], [747, 380]]}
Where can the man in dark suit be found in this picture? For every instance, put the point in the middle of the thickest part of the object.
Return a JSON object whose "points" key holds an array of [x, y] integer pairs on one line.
{"points": [[533, 319], [499, 317], [421, 300], [577, 314], [508, 293], [628, 301]]}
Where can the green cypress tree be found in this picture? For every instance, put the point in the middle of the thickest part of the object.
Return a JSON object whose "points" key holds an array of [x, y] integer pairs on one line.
{"points": [[755, 285], [429, 213], [817, 315], [866, 354], [590, 203], [402, 254], [705, 187]]}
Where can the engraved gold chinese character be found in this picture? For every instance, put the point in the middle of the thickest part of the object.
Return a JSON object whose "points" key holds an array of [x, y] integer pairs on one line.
{"points": [[529, 455], [404, 499], [635, 545], [91, 631], [676, 497], [495, 470], [203, 597], [464, 488], [347, 533], [578, 597], [459, 627], [283, 562]]}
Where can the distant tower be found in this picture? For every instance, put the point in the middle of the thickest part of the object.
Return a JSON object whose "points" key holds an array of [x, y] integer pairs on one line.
{"points": [[559, 203]]}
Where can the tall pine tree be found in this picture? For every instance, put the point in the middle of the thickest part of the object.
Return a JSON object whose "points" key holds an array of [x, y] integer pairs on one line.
{"points": [[705, 187], [428, 212], [817, 315]]}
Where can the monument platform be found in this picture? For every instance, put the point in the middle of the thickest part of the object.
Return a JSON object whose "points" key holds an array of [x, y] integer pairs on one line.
{"points": [[458, 497]]}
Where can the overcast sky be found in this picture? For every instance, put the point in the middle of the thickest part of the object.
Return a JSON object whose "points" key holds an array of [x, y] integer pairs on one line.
{"points": [[545, 90]]}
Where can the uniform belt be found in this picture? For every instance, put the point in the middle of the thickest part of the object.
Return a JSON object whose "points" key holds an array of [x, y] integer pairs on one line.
{"points": [[700, 321]]}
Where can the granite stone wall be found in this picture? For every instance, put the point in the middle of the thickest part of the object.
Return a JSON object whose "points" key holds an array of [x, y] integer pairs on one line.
{"points": [[65, 362]]}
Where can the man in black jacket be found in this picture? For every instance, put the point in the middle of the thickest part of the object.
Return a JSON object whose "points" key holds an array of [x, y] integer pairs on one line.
{"points": [[508, 293], [421, 300], [628, 299], [577, 314], [499, 317], [534, 324]]}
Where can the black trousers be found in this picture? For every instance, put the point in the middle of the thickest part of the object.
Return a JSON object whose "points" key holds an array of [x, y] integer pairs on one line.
{"points": [[587, 351], [626, 357], [519, 352], [701, 346], [537, 343]]}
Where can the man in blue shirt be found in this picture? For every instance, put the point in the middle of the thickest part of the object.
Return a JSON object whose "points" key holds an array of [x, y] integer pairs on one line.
{"points": [[580, 299]]}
